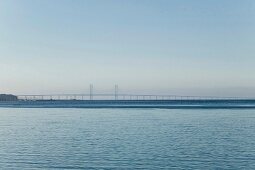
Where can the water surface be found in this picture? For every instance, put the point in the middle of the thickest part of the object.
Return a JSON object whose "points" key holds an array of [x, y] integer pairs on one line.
{"points": [[127, 138]]}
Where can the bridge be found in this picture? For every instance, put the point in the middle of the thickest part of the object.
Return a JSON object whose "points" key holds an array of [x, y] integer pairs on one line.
{"points": [[121, 97], [116, 96]]}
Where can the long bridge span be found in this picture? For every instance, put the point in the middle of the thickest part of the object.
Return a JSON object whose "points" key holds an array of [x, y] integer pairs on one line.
{"points": [[36, 97]]}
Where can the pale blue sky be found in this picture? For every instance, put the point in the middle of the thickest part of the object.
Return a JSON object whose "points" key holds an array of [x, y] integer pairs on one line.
{"points": [[193, 47]]}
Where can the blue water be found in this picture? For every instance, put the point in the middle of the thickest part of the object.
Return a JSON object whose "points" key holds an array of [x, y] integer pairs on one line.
{"points": [[163, 104], [127, 138]]}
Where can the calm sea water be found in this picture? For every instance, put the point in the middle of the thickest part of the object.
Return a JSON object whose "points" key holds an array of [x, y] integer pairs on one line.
{"points": [[127, 139]]}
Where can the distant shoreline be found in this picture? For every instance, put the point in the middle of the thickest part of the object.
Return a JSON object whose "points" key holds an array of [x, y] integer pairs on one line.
{"points": [[143, 104]]}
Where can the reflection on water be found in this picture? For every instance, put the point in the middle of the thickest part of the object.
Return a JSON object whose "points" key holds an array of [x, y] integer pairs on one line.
{"points": [[127, 139]]}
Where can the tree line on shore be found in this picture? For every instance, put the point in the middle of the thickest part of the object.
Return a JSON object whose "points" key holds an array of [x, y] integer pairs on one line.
{"points": [[8, 97]]}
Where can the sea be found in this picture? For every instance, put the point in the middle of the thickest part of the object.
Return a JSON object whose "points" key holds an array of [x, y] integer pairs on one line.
{"points": [[127, 138]]}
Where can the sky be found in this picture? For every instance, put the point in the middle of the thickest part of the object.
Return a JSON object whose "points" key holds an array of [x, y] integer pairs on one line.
{"points": [[181, 47]]}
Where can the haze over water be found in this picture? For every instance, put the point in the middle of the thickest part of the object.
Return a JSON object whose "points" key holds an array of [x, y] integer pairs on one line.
{"points": [[189, 48], [193, 47]]}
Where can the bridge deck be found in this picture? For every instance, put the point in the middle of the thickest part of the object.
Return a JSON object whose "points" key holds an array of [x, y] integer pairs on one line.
{"points": [[121, 97]]}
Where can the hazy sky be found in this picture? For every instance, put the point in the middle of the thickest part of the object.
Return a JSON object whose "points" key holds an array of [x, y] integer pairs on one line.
{"points": [[193, 47]]}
